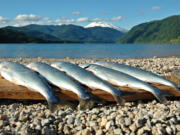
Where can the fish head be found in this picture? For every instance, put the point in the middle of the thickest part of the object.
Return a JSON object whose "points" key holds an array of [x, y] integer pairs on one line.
{"points": [[84, 65], [32, 65], [4, 66], [58, 65], [91, 67]]}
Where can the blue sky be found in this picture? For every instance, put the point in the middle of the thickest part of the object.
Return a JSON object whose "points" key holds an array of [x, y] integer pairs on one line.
{"points": [[124, 13]]}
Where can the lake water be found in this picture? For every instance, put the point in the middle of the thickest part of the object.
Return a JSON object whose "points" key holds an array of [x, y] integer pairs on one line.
{"points": [[88, 50]]}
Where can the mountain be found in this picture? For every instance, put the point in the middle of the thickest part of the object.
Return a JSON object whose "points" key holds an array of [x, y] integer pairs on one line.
{"points": [[107, 25], [13, 36], [71, 33], [161, 31]]}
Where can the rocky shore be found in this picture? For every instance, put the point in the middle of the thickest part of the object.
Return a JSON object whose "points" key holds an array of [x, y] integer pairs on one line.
{"points": [[141, 117]]}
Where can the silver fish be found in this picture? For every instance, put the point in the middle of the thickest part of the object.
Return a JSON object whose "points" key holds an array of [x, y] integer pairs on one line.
{"points": [[21, 75], [89, 79], [121, 79], [59, 79], [143, 75]]}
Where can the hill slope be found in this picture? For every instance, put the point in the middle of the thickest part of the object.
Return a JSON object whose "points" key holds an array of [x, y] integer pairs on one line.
{"points": [[12, 36], [162, 31], [71, 33]]}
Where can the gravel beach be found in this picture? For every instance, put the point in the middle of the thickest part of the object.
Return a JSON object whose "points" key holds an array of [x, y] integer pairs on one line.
{"points": [[140, 117]]}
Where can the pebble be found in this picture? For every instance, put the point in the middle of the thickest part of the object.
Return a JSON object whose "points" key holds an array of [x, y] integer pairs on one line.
{"points": [[70, 120]]}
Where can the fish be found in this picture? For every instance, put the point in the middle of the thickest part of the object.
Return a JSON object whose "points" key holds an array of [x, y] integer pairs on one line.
{"points": [[138, 73], [118, 78], [60, 79], [90, 80], [21, 75]]}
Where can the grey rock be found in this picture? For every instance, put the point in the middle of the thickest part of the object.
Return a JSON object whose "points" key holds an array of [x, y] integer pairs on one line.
{"points": [[44, 122], [99, 132], [117, 131], [70, 120], [78, 128], [77, 121], [127, 121], [169, 130], [92, 123], [109, 124], [66, 130], [1, 123]]}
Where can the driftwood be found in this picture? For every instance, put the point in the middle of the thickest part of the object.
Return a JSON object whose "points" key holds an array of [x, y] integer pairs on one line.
{"points": [[9, 90]]}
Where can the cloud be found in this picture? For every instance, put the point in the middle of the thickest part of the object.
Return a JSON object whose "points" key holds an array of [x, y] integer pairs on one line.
{"points": [[4, 20], [96, 20], [24, 19], [31, 17], [64, 19], [155, 8], [76, 13], [116, 18], [83, 19], [47, 20]]}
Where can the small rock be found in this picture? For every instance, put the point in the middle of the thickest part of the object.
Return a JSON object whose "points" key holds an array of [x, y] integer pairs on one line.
{"points": [[99, 132], [70, 120], [178, 128], [140, 131], [168, 130], [78, 128], [108, 125], [117, 131], [66, 130], [1, 123], [133, 127], [44, 122], [84, 132], [2, 117], [92, 123], [103, 122], [127, 121]]}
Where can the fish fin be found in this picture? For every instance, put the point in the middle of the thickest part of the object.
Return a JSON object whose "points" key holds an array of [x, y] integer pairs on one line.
{"points": [[86, 104], [59, 105], [161, 97], [119, 100]]}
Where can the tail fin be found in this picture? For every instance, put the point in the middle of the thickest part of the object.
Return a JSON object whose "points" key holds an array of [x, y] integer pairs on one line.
{"points": [[161, 97], [119, 100], [59, 105], [86, 104]]}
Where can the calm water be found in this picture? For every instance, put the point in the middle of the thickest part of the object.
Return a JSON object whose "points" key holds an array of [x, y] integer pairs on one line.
{"points": [[88, 50]]}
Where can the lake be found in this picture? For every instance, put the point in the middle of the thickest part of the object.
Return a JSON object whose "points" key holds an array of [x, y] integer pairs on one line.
{"points": [[88, 50]]}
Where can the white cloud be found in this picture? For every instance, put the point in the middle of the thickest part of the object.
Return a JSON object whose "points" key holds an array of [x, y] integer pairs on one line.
{"points": [[83, 19], [31, 17], [4, 20], [156, 8], [76, 13], [47, 20], [96, 20], [116, 18], [63, 20], [24, 19]]}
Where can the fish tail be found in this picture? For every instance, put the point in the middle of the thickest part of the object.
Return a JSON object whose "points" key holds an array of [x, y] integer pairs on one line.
{"points": [[119, 100], [161, 97], [86, 104], [53, 106]]}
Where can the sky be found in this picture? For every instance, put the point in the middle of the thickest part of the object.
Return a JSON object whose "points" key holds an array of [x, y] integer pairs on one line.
{"points": [[123, 13]]}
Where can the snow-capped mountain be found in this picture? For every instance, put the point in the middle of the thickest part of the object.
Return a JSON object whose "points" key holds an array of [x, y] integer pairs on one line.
{"points": [[105, 24]]}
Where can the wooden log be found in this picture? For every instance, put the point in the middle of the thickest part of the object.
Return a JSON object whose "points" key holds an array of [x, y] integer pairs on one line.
{"points": [[9, 90]]}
